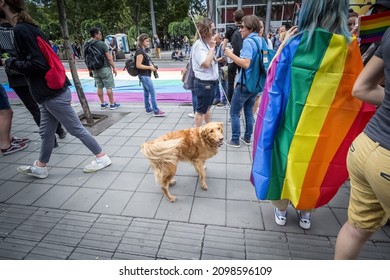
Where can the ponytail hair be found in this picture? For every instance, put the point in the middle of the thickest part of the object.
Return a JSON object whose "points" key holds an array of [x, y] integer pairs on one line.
{"points": [[25, 17]]}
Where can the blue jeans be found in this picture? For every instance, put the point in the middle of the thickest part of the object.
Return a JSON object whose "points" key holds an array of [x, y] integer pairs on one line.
{"points": [[194, 100], [220, 96], [147, 84], [242, 99]]}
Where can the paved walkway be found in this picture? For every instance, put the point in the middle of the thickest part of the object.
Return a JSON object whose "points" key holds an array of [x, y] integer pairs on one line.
{"points": [[120, 212]]}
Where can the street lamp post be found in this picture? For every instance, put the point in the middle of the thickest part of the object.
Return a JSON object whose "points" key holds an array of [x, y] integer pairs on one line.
{"points": [[153, 18]]}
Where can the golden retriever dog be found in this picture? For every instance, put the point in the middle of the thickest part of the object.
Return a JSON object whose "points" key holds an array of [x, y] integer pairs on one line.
{"points": [[195, 145]]}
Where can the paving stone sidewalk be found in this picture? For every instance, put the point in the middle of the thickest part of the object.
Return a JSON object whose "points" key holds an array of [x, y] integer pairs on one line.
{"points": [[120, 212]]}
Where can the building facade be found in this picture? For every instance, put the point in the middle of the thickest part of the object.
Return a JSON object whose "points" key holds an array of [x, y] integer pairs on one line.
{"points": [[282, 12]]}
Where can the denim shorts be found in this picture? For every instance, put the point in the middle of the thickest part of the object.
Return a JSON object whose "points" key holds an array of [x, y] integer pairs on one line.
{"points": [[104, 78], [4, 102], [205, 91]]}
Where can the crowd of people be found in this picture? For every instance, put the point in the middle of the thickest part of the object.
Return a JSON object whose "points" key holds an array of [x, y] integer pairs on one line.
{"points": [[222, 68]]}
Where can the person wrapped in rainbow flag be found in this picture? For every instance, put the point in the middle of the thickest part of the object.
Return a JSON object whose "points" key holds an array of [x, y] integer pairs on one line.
{"points": [[307, 117]]}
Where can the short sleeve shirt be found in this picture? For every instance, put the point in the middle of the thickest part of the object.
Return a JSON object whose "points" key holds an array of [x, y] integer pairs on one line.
{"points": [[378, 129], [103, 48], [249, 51], [199, 55]]}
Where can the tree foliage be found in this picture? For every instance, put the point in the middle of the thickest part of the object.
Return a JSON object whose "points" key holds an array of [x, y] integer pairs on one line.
{"points": [[131, 17]]}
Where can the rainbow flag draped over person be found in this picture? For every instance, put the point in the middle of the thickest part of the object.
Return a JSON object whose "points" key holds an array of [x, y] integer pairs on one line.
{"points": [[307, 120], [372, 28]]}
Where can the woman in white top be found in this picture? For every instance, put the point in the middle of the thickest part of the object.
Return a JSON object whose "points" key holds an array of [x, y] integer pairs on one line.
{"points": [[205, 69]]}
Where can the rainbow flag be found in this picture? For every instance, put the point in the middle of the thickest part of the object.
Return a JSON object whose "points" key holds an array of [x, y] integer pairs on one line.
{"points": [[372, 28], [307, 120]]}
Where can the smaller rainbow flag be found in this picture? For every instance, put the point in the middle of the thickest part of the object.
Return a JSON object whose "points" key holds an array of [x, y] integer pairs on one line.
{"points": [[307, 120], [372, 28]]}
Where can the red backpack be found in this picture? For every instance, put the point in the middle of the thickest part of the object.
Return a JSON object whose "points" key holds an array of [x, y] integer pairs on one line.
{"points": [[55, 76]]}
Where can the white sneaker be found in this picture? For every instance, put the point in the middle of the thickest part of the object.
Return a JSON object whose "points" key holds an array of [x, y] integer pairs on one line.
{"points": [[34, 170], [304, 219], [97, 164], [280, 216], [191, 115]]}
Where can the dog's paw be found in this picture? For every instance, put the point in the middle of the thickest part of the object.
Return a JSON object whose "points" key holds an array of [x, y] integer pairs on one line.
{"points": [[172, 199], [172, 183], [204, 187]]}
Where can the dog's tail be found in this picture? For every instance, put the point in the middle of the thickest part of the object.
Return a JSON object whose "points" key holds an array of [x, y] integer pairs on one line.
{"points": [[162, 152]]}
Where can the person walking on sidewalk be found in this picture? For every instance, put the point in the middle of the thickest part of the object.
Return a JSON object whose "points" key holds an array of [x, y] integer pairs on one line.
{"points": [[368, 159], [145, 68], [103, 76], [54, 104], [17, 81]]}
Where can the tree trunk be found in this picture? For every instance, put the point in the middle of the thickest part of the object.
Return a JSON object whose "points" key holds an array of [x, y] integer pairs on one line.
{"points": [[65, 34]]}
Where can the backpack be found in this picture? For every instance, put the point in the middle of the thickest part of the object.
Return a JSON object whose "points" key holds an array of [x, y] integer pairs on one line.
{"points": [[188, 76], [94, 59], [260, 65], [55, 77], [236, 41], [130, 66]]}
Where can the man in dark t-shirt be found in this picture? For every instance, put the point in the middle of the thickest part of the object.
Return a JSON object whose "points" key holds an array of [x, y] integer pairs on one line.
{"points": [[103, 76], [233, 37]]}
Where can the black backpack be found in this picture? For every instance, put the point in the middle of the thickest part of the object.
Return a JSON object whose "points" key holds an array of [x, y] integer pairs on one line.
{"points": [[94, 59], [130, 66], [236, 41]]}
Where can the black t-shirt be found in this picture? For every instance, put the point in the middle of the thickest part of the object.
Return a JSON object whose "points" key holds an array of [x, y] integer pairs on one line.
{"points": [[145, 61], [234, 37]]}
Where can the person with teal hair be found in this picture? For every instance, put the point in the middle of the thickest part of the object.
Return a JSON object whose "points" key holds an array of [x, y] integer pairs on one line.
{"points": [[306, 92]]}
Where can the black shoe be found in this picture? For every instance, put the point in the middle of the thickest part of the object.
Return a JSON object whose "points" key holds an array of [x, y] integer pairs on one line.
{"points": [[245, 141], [55, 143], [62, 134]]}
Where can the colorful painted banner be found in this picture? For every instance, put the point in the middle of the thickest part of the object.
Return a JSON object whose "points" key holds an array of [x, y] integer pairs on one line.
{"points": [[372, 28], [307, 120]]}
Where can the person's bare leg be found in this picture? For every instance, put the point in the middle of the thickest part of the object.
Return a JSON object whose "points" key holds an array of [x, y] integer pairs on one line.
{"points": [[207, 116], [281, 204], [350, 241], [5, 128], [198, 119], [100, 95], [110, 95]]}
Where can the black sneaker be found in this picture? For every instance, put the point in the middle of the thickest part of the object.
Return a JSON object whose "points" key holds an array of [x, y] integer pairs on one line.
{"points": [[232, 144], [55, 143], [245, 141], [62, 134]]}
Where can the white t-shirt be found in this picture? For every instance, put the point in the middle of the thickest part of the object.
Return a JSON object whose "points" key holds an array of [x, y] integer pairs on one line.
{"points": [[198, 55]]}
